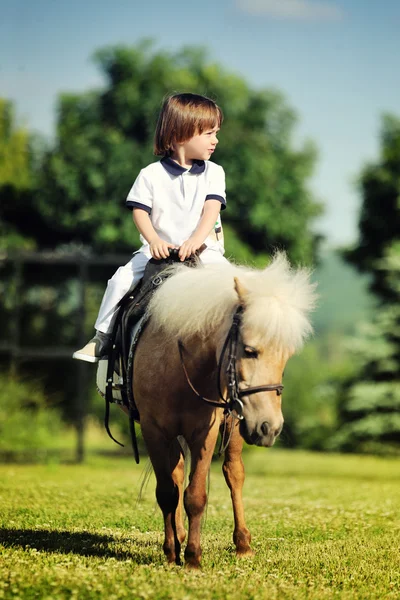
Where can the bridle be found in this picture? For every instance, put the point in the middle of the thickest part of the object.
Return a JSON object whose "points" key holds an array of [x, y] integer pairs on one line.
{"points": [[233, 404]]}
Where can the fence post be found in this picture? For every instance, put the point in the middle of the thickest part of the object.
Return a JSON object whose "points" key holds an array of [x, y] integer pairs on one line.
{"points": [[81, 397], [16, 318]]}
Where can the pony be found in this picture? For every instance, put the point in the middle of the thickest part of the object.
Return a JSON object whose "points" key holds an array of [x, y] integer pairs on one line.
{"points": [[210, 360]]}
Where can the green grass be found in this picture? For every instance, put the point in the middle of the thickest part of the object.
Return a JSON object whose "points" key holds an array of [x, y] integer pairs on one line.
{"points": [[323, 526]]}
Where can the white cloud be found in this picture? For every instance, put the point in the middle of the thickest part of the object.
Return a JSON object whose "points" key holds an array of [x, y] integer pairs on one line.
{"points": [[304, 10]]}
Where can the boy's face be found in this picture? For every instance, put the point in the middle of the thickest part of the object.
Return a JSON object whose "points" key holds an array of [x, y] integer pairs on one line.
{"points": [[201, 146]]}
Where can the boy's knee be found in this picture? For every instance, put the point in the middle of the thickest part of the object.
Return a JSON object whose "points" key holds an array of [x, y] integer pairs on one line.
{"points": [[122, 277]]}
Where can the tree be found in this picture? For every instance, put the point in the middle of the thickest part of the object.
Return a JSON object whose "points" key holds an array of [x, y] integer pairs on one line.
{"points": [[105, 137], [370, 406], [379, 222], [16, 178]]}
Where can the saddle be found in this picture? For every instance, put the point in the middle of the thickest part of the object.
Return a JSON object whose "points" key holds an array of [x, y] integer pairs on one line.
{"points": [[115, 372]]}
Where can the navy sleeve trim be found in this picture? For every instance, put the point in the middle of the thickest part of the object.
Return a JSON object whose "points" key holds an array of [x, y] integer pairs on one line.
{"points": [[132, 205], [217, 197]]}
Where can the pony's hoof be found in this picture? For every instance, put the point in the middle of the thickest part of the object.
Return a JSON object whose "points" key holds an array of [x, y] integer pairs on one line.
{"points": [[192, 559], [193, 564], [172, 557], [174, 563], [249, 553]]}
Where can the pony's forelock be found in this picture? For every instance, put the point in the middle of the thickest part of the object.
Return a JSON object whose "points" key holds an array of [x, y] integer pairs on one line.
{"points": [[198, 301]]}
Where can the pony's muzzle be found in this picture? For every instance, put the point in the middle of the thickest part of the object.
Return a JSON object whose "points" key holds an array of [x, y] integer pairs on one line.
{"points": [[267, 429], [263, 435]]}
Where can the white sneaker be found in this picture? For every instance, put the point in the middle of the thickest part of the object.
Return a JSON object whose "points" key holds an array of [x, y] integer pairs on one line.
{"points": [[95, 349]]}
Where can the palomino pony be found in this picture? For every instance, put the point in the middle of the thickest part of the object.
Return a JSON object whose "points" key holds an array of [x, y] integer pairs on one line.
{"points": [[215, 332]]}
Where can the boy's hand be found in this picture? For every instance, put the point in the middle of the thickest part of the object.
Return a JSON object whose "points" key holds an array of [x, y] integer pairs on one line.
{"points": [[159, 248], [189, 247]]}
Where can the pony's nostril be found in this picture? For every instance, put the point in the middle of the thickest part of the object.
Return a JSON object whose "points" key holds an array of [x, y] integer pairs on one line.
{"points": [[265, 428]]}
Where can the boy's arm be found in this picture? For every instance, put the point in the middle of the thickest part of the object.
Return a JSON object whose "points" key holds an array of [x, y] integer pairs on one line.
{"points": [[158, 247], [207, 222]]}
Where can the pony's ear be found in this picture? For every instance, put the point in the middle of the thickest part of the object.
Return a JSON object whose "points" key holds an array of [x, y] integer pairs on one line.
{"points": [[241, 291]]}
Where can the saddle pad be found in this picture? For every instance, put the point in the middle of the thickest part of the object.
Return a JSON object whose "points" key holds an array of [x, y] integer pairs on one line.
{"points": [[117, 379]]}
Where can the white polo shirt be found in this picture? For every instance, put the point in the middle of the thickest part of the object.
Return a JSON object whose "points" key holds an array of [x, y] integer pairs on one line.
{"points": [[174, 198]]}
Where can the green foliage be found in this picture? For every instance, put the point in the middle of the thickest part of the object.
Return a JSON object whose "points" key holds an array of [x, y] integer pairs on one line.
{"points": [[344, 299], [370, 400], [322, 527], [312, 382], [14, 150], [16, 180], [366, 397], [105, 137], [29, 429]]}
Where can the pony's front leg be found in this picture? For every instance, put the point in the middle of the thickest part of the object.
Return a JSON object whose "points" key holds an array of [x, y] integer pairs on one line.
{"points": [[195, 497], [167, 460], [233, 470]]}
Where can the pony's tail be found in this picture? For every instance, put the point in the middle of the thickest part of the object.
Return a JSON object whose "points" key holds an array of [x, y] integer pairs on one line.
{"points": [[187, 456], [144, 480]]}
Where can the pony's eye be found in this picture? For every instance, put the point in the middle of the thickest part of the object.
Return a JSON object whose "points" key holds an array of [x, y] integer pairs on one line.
{"points": [[250, 352]]}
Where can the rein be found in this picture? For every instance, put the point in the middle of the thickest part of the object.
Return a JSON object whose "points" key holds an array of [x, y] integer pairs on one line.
{"points": [[233, 403]]}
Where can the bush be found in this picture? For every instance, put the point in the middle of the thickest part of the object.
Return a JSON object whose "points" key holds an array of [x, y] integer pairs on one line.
{"points": [[29, 429]]}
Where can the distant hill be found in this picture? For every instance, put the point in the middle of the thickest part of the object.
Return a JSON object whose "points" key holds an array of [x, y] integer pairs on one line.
{"points": [[344, 296]]}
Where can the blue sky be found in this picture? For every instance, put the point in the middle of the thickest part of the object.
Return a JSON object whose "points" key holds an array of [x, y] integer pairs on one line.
{"points": [[336, 62]]}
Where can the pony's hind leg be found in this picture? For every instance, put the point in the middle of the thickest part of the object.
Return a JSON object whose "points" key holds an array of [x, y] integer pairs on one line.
{"points": [[167, 460], [233, 470]]}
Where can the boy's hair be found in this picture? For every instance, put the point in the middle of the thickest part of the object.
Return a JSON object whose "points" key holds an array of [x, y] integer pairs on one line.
{"points": [[181, 117]]}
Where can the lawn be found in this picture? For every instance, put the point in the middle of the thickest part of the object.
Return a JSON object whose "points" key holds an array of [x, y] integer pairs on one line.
{"points": [[323, 526]]}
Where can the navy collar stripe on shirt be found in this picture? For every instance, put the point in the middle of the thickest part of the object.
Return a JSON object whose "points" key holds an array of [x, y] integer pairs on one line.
{"points": [[173, 168]]}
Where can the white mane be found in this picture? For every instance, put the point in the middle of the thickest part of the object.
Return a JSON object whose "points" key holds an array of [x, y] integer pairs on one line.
{"points": [[198, 301]]}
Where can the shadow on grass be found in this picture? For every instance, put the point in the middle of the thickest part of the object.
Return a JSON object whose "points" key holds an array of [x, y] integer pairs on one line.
{"points": [[82, 543]]}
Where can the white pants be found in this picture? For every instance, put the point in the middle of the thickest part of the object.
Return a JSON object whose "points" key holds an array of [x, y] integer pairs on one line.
{"points": [[130, 274]]}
